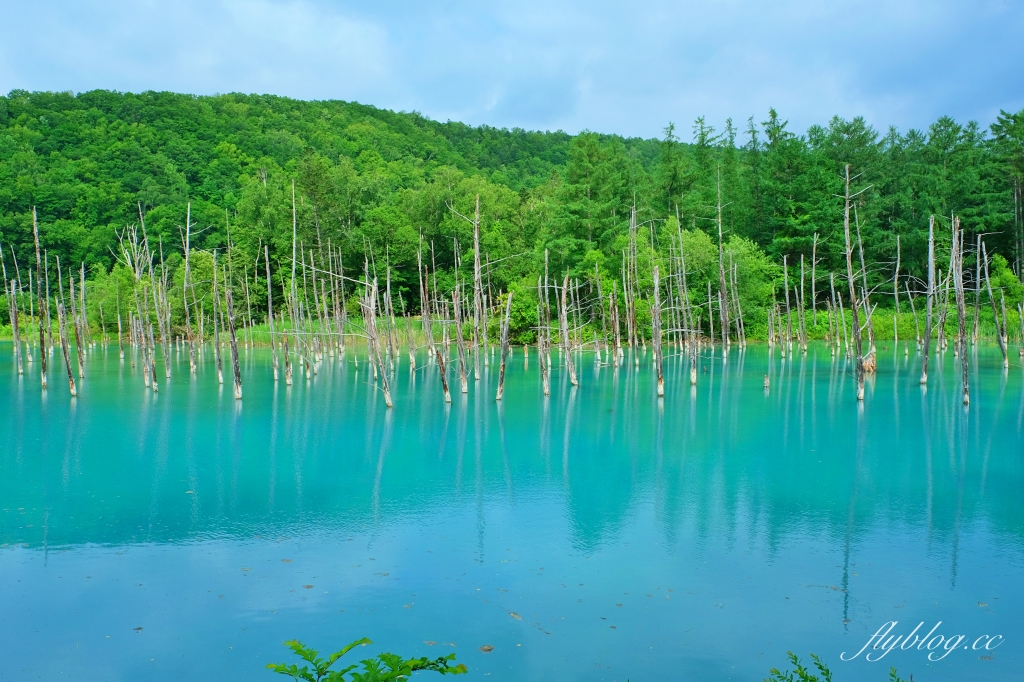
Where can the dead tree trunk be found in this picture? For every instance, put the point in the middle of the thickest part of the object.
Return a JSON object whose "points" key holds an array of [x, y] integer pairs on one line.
{"points": [[814, 280], [460, 341], [184, 291], [563, 316], [802, 309], [62, 325], [958, 287], [930, 302], [857, 343], [613, 308], [234, 341], [74, 318], [541, 351], [369, 305], [270, 307], [12, 306], [216, 323], [39, 299], [656, 333], [978, 255], [723, 301], [788, 343], [478, 293], [1000, 329], [504, 345], [913, 310]]}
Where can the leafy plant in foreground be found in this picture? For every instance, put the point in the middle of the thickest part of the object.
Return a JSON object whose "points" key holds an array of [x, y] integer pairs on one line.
{"points": [[802, 674], [385, 667]]}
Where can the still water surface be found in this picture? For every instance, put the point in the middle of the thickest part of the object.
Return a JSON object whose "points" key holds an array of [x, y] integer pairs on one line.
{"points": [[598, 534]]}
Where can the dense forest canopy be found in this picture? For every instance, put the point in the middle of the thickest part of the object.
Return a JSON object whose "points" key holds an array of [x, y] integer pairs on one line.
{"points": [[371, 181]]}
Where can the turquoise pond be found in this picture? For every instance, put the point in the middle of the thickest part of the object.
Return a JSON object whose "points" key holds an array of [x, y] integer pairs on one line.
{"points": [[597, 534]]}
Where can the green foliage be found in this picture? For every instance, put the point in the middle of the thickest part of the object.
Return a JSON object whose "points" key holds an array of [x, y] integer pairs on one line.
{"points": [[385, 667], [396, 188], [821, 672]]}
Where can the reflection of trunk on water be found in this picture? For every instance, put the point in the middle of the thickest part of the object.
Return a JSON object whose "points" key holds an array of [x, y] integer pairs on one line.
{"points": [[190, 456], [444, 430], [927, 429], [69, 440], [962, 422], [991, 432], [545, 435], [385, 444], [478, 478], [801, 401], [504, 455], [460, 444], [659, 458], [566, 438], [850, 516], [272, 452]]}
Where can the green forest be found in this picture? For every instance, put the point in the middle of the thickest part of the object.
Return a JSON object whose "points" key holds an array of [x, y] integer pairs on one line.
{"points": [[389, 188]]}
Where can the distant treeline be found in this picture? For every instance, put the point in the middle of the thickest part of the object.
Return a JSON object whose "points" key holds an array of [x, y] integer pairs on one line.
{"points": [[379, 185]]}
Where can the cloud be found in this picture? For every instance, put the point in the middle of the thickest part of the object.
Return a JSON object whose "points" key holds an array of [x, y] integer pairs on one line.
{"points": [[609, 66]]}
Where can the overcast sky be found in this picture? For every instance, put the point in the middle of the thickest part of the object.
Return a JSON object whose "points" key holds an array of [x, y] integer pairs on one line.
{"points": [[617, 67]]}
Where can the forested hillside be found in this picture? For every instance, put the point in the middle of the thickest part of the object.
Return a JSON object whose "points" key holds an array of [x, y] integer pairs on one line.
{"points": [[370, 181]]}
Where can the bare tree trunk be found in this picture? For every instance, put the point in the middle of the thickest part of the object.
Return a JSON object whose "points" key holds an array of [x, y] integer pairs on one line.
{"points": [[613, 305], [541, 352], [477, 291], [341, 290], [958, 287], [12, 305], [39, 298], [216, 323], [443, 369], [369, 305], [723, 307], [248, 306], [84, 319], [460, 341], [983, 256], [159, 319], [287, 337], [49, 320], [233, 339], [858, 347], [63, 329], [504, 345], [425, 320], [408, 338], [870, 361], [270, 307], [741, 331], [152, 345], [896, 293], [564, 320], [600, 303], [788, 343], [834, 311], [184, 291], [74, 319], [814, 280], [711, 317], [978, 255], [913, 310], [656, 333], [120, 331], [802, 309], [930, 300]]}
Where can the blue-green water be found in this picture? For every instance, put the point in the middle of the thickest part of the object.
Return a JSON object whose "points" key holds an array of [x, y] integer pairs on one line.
{"points": [[598, 534]]}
